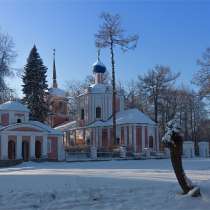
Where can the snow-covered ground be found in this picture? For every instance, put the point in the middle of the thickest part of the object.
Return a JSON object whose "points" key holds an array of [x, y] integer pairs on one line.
{"points": [[125, 185]]}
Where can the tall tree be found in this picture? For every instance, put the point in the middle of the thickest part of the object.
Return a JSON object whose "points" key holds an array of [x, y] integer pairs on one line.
{"points": [[7, 56], [155, 82], [111, 35], [35, 86]]}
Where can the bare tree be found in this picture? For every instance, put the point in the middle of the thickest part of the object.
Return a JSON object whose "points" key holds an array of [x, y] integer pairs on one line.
{"points": [[155, 82], [173, 139], [7, 56], [202, 77], [111, 35]]}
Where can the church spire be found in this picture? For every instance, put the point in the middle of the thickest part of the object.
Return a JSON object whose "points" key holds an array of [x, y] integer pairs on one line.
{"points": [[55, 85], [98, 54]]}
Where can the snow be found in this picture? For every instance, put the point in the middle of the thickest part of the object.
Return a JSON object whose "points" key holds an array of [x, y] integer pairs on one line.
{"points": [[98, 88], [45, 127], [66, 126], [57, 92], [171, 128], [129, 116], [35, 124], [13, 106], [99, 63], [108, 185]]}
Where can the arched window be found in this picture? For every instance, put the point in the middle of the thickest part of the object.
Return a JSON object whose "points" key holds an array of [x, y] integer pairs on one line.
{"points": [[98, 112], [82, 114], [62, 108], [151, 142]]}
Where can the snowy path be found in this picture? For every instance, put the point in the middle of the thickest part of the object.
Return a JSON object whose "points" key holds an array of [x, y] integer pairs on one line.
{"points": [[133, 185]]}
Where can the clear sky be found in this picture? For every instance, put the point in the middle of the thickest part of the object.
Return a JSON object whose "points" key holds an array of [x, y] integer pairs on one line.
{"points": [[173, 33]]}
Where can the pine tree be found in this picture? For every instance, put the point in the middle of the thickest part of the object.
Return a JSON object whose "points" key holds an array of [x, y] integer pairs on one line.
{"points": [[35, 86]]}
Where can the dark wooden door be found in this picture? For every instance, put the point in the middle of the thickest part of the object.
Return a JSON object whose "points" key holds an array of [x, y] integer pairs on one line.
{"points": [[138, 139], [38, 149], [11, 150], [25, 150]]}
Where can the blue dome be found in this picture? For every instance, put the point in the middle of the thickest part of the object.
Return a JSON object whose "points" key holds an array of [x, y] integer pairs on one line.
{"points": [[99, 67]]}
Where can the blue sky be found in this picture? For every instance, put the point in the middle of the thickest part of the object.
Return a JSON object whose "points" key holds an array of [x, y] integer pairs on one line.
{"points": [[173, 33]]}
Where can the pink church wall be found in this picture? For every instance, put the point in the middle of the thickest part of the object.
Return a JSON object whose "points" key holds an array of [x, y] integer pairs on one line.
{"points": [[104, 138], [146, 137], [122, 136], [52, 155], [5, 119], [138, 139]]}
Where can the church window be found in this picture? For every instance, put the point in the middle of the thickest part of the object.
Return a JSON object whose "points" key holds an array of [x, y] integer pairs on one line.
{"points": [[98, 112], [61, 107], [82, 114]]}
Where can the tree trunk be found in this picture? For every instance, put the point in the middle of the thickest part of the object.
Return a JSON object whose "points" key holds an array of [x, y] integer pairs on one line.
{"points": [[113, 94], [176, 160], [156, 108]]}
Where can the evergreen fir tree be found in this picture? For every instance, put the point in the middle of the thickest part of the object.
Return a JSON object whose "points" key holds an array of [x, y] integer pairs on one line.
{"points": [[35, 86]]}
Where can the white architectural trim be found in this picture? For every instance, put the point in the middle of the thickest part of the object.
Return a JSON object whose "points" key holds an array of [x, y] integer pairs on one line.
{"points": [[4, 147], [19, 148], [32, 147], [44, 147]]}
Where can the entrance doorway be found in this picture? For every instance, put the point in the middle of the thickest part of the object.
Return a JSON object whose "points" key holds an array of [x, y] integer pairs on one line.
{"points": [[11, 150], [25, 150], [38, 149]]}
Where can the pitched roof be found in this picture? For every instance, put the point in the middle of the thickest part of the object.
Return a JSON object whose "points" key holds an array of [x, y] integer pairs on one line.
{"points": [[66, 126], [13, 106], [129, 116], [36, 124], [57, 92]]}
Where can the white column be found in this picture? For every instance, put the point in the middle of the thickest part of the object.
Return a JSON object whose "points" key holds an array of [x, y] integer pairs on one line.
{"points": [[97, 137], [157, 139], [125, 135], [134, 137], [130, 135], [100, 136], [44, 147], [60, 149], [4, 147], [19, 148], [143, 137], [32, 148]]}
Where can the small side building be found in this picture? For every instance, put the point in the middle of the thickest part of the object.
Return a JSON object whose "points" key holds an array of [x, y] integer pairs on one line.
{"points": [[23, 139]]}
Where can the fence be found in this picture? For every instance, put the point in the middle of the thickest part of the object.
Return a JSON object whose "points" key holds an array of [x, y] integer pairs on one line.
{"points": [[72, 155]]}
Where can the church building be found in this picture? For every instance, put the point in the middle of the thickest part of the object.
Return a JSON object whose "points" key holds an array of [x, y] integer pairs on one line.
{"points": [[93, 125], [24, 139]]}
